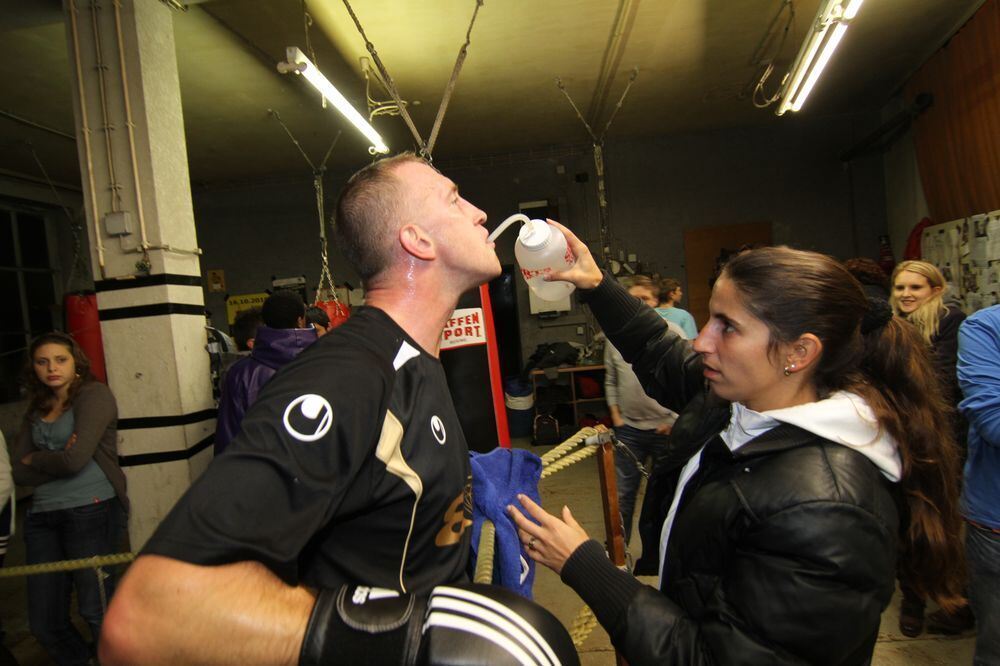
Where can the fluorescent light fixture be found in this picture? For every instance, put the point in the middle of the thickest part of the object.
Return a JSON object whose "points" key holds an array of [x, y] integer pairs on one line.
{"points": [[300, 64], [816, 52], [817, 69]]}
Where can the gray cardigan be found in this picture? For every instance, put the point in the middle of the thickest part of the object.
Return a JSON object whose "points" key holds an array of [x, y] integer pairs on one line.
{"points": [[95, 414]]}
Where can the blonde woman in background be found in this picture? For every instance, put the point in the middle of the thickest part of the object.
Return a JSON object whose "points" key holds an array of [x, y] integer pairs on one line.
{"points": [[918, 291]]}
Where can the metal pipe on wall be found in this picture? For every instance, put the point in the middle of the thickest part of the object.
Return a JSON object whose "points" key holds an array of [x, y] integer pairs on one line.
{"points": [[85, 131], [144, 243], [98, 53]]}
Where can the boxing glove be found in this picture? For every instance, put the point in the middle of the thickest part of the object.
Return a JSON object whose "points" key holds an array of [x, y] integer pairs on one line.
{"points": [[466, 624], [486, 625]]}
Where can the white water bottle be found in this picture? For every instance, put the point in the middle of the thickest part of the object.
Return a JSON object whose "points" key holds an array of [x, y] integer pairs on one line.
{"points": [[541, 249]]}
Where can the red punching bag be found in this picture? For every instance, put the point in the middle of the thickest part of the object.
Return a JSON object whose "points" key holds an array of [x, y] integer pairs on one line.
{"points": [[337, 312], [84, 324]]}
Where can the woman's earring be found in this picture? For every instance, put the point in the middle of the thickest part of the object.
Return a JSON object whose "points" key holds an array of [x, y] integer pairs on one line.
{"points": [[788, 369]]}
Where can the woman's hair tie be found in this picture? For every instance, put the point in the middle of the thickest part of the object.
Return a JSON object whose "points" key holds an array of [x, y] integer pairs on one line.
{"points": [[878, 314]]}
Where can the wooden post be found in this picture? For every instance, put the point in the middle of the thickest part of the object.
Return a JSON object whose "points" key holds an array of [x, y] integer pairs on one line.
{"points": [[612, 514]]}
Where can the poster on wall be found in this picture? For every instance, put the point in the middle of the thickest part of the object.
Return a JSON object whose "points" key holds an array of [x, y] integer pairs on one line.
{"points": [[239, 302], [967, 251], [463, 329]]}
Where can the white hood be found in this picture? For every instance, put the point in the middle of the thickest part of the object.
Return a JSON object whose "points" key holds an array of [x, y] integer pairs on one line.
{"points": [[844, 418]]}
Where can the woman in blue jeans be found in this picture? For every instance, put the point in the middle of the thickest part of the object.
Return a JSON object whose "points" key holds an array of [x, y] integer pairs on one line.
{"points": [[67, 450]]}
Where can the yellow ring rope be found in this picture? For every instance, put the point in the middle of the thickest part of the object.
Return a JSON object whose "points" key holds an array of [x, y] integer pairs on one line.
{"points": [[484, 557], [67, 565], [557, 459]]}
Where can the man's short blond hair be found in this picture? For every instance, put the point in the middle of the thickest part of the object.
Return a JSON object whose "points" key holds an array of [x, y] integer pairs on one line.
{"points": [[368, 211]]}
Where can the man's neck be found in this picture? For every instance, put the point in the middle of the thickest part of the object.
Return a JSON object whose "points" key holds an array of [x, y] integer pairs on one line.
{"points": [[421, 313]]}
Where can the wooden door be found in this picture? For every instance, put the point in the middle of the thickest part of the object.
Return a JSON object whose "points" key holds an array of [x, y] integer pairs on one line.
{"points": [[702, 250]]}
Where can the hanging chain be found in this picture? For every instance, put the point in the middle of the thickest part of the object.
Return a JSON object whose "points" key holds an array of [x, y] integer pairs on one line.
{"points": [[618, 444], [598, 147], [562, 87], [426, 147], [324, 274], [274, 114], [621, 100], [386, 78], [462, 53], [307, 22], [325, 277]]}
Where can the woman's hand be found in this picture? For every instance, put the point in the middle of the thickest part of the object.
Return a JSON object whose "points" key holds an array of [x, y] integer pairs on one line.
{"points": [[550, 541], [664, 428], [585, 273]]}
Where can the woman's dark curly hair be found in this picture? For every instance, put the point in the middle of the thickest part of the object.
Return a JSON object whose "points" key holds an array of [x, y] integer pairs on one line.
{"points": [[40, 397]]}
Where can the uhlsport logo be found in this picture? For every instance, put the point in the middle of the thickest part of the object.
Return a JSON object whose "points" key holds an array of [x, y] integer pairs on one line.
{"points": [[437, 429], [308, 417]]}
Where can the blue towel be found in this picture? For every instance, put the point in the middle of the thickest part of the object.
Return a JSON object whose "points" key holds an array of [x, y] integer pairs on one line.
{"points": [[497, 478]]}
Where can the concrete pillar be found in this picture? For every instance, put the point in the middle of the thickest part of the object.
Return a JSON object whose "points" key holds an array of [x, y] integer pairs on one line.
{"points": [[140, 223]]}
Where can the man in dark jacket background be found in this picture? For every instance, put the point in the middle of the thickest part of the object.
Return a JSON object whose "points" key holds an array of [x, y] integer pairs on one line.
{"points": [[280, 339]]}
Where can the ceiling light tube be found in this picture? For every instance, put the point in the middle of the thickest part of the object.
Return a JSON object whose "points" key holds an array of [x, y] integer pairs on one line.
{"points": [[824, 57], [808, 67], [300, 64], [802, 65], [852, 9]]}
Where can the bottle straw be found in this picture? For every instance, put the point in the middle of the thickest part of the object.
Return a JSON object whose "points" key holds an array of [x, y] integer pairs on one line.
{"points": [[516, 217]]}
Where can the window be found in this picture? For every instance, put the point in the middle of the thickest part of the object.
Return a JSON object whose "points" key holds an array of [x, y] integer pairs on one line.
{"points": [[27, 290]]}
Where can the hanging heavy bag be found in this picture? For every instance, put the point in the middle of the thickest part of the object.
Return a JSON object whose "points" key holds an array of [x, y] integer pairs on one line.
{"points": [[337, 312]]}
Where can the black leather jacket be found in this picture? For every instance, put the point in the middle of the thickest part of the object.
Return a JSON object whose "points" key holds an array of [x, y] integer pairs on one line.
{"points": [[780, 553]]}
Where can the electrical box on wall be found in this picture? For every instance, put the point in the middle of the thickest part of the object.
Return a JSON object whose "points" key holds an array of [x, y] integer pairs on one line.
{"points": [[118, 224]]}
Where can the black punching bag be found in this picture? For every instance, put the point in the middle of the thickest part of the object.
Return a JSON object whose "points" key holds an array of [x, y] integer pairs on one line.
{"points": [[472, 365]]}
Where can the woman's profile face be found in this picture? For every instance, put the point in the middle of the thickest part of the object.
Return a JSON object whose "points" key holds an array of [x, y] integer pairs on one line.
{"points": [[739, 365], [911, 290], [54, 365]]}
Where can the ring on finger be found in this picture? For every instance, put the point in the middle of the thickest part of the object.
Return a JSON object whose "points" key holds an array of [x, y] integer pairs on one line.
{"points": [[531, 543]]}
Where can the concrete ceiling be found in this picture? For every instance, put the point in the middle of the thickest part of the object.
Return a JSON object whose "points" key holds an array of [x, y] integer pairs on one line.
{"points": [[694, 59]]}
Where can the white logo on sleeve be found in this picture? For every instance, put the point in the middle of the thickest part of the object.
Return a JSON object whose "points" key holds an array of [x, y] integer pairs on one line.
{"points": [[437, 429], [308, 417]]}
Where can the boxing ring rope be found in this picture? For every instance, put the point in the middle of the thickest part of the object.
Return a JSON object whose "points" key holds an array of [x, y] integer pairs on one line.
{"points": [[591, 440], [67, 565]]}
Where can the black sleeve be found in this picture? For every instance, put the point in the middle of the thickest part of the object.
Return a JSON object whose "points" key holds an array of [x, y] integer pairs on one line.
{"points": [[283, 478], [807, 586], [945, 353], [667, 366]]}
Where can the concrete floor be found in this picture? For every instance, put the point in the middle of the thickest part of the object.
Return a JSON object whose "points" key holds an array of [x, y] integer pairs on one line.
{"points": [[576, 486]]}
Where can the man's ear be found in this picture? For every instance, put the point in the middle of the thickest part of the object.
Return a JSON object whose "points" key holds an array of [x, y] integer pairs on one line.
{"points": [[417, 242]]}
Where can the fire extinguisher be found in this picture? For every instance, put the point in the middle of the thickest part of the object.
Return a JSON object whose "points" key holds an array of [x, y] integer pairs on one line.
{"points": [[84, 324]]}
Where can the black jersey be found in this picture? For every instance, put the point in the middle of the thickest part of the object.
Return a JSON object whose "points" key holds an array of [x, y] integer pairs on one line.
{"points": [[351, 467]]}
